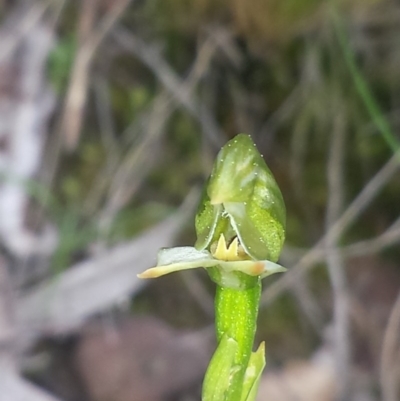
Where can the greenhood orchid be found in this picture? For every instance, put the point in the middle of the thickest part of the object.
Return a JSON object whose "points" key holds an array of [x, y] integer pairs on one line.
{"points": [[228, 259], [240, 227]]}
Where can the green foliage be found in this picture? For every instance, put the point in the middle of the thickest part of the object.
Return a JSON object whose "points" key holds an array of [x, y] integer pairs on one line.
{"points": [[74, 237], [60, 62], [364, 91], [133, 219]]}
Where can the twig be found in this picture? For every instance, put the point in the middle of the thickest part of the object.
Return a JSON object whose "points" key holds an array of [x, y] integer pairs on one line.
{"points": [[351, 214], [335, 261], [106, 122], [367, 247], [181, 91], [305, 300], [137, 164], [129, 174], [77, 90], [390, 351], [365, 197]]}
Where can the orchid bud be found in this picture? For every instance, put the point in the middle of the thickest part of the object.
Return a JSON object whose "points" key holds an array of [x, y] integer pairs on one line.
{"points": [[243, 200]]}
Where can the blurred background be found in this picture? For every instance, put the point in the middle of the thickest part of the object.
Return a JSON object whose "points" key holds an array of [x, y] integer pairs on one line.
{"points": [[111, 114]]}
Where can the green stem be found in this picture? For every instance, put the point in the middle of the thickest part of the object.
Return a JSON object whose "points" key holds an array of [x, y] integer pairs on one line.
{"points": [[236, 315]]}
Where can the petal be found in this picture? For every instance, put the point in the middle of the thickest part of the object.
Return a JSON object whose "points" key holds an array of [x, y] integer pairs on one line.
{"points": [[272, 268], [167, 256], [261, 268], [184, 258], [180, 258]]}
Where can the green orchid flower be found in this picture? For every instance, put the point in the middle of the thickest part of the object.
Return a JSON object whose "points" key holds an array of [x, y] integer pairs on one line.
{"points": [[226, 259], [242, 199], [240, 226]]}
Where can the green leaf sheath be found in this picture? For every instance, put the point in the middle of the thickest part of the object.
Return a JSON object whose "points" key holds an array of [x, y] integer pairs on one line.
{"points": [[217, 379]]}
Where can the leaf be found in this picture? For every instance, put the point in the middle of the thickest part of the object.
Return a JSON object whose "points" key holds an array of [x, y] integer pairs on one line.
{"points": [[217, 379], [253, 374]]}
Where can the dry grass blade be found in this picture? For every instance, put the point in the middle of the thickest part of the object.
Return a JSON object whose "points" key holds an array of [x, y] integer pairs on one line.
{"points": [[91, 38]]}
